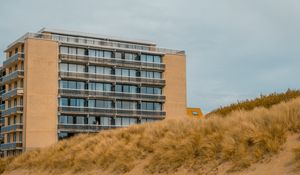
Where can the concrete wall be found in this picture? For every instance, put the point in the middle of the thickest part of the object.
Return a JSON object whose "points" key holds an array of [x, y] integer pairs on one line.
{"points": [[175, 89], [40, 93]]}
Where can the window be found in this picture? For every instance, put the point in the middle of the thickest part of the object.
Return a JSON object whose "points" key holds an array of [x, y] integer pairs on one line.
{"points": [[150, 74], [71, 120], [105, 121], [126, 105], [64, 84], [91, 103], [64, 50], [151, 90], [80, 51], [107, 54], [92, 53], [100, 70], [126, 72], [118, 121], [64, 67], [118, 55], [130, 56], [63, 119], [151, 106], [92, 69], [80, 68], [92, 120], [99, 53], [157, 59], [100, 103], [72, 51], [80, 85], [151, 58], [100, 86], [8, 138], [195, 113], [72, 102], [126, 88], [72, 84], [80, 120], [125, 121], [72, 68], [20, 137]]}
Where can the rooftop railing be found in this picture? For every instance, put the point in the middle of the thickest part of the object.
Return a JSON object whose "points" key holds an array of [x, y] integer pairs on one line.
{"points": [[97, 43]]}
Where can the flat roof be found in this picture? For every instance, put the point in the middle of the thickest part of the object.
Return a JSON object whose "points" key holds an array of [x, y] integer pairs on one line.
{"points": [[96, 36]]}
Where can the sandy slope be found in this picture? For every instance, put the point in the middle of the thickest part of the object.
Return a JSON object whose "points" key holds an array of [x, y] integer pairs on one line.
{"points": [[280, 164]]}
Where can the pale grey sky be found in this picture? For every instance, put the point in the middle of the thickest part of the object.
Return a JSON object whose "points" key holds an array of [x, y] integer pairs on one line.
{"points": [[235, 49]]}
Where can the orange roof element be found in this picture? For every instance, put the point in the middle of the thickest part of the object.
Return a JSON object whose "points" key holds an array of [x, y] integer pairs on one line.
{"points": [[194, 112]]}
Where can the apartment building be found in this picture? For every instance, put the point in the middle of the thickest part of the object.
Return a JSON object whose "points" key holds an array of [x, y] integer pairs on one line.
{"points": [[59, 83]]}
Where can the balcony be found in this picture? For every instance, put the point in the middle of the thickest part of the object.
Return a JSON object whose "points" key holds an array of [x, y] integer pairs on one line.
{"points": [[11, 146], [12, 110], [11, 128], [12, 93], [2, 107], [2, 91], [110, 111], [111, 78], [85, 128], [110, 94], [111, 62], [12, 76], [2, 121], [13, 59]]}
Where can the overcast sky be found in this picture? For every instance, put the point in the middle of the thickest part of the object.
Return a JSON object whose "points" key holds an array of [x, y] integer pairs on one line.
{"points": [[235, 49]]}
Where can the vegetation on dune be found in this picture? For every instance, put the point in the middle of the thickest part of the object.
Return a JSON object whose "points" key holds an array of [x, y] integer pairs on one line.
{"points": [[263, 101], [242, 138]]}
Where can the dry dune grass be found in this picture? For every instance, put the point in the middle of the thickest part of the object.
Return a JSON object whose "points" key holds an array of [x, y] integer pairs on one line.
{"points": [[240, 139], [263, 101]]}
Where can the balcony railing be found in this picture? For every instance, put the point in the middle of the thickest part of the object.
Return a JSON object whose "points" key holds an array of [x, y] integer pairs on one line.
{"points": [[2, 107], [11, 146], [110, 111], [12, 93], [109, 94], [12, 76], [13, 110], [2, 120], [2, 91], [12, 59], [103, 43], [85, 128], [15, 127], [111, 78], [111, 62]]}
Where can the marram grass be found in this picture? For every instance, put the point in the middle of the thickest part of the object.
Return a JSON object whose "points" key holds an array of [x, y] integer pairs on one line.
{"points": [[240, 139]]}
